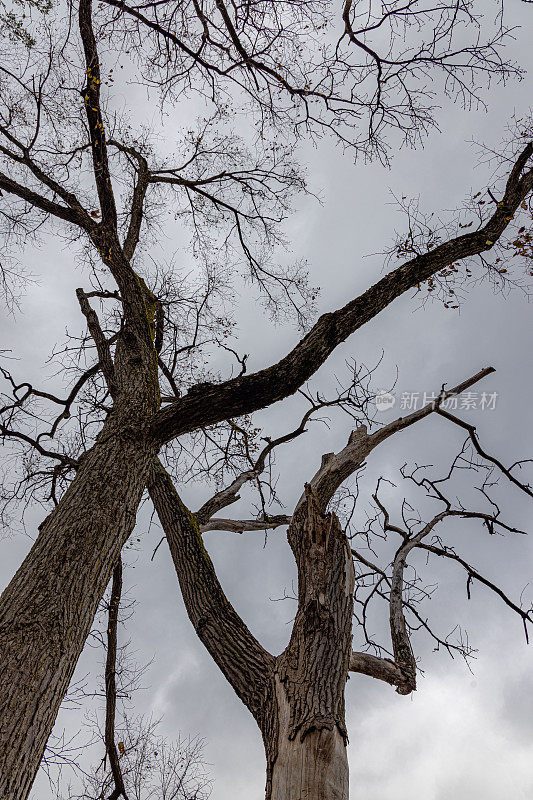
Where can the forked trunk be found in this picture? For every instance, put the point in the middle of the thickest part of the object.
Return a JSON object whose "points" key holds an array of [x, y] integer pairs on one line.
{"points": [[297, 699]]}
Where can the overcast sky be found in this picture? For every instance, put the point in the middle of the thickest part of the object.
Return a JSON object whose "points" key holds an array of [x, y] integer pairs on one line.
{"points": [[463, 734]]}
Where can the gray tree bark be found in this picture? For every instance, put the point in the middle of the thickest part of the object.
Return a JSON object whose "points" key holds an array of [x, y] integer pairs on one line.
{"points": [[47, 610], [46, 613], [309, 759], [297, 699]]}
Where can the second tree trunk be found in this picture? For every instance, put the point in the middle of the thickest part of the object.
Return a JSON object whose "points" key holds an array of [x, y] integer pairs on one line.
{"points": [[306, 738]]}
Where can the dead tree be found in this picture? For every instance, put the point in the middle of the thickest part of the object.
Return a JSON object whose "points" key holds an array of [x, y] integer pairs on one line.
{"points": [[136, 386], [297, 698]]}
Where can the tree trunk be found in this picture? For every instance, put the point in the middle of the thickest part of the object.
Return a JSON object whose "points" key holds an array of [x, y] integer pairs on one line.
{"points": [[314, 767], [47, 610], [297, 699], [306, 746]]}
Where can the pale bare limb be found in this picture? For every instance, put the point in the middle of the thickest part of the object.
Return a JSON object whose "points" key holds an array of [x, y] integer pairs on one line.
{"points": [[244, 525], [381, 668], [337, 467]]}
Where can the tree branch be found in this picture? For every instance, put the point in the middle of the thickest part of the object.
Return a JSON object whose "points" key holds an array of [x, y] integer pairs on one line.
{"points": [[23, 158], [381, 668], [474, 574], [110, 685], [337, 467], [243, 525], [477, 446], [401, 644], [67, 213], [248, 393], [230, 494], [137, 201], [102, 345], [245, 664], [91, 96], [7, 433]]}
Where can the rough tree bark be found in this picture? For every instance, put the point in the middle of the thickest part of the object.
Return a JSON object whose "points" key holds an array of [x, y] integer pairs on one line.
{"points": [[46, 614], [309, 760], [47, 609], [297, 699], [244, 662]]}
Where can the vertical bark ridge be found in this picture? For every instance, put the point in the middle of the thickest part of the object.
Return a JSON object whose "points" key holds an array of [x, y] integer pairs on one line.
{"points": [[314, 667], [309, 757], [47, 609], [298, 698]]}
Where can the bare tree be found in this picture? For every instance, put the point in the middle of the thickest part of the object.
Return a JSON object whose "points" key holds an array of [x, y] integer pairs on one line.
{"points": [[71, 164], [297, 698], [152, 766]]}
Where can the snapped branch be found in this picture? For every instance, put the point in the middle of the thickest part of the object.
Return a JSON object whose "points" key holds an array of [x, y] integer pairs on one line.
{"points": [[337, 467], [381, 668], [244, 525]]}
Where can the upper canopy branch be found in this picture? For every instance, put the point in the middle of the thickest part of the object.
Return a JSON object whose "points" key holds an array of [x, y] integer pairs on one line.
{"points": [[479, 449], [284, 58], [78, 217], [142, 176], [20, 149], [248, 393], [48, 188], [70, 213], [101, 343], [91, 96]]}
